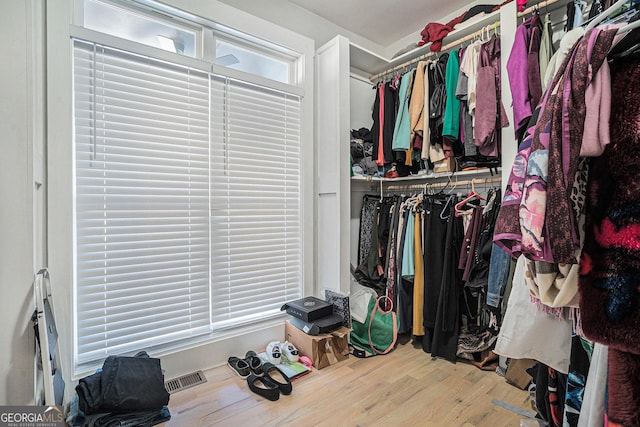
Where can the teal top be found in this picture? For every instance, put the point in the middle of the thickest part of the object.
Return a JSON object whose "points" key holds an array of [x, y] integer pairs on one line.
{"points": [[451, 121], [402, 128]]}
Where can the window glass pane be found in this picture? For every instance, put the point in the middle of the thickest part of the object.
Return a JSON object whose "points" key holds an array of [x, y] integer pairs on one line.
{"points": [[250, 61], [129, 25]]}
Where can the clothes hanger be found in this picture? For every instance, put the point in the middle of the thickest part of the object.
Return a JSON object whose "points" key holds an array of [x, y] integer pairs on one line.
{"points": [[446, 206], [629, 27], [471, 196], [598, 19]]}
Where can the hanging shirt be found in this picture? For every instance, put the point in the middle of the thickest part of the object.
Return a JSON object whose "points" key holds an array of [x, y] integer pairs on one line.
{"points": [[466, 121], [533, 61], [490, 115], [402, 129], [451, 122], [519, 69], [469, 67], [566, 43], [546, 47], [578, 19], [416, 102]]}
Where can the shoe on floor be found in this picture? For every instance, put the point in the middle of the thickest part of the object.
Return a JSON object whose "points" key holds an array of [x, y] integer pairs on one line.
{"points": [[264, 387], [254, 362], [274, 354], [277, 377], [239, 366], [289, 351]]}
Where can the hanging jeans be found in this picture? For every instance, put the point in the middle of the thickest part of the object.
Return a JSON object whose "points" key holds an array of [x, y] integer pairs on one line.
{"points": [[498, 275]]}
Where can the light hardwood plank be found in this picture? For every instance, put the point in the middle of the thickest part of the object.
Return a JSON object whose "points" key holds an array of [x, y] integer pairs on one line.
{"points": [[405, 387]]}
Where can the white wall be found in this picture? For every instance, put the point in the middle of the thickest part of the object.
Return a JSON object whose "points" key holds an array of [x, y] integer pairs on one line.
{"points": [[21, 132]]}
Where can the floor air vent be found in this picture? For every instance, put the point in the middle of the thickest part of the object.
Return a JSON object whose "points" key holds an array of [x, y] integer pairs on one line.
{"points": [[186, 381]]}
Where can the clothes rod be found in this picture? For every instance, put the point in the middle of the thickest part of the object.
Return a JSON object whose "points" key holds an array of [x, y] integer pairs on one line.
{"points": [[450, 182], [483, 30], [536, 6]]}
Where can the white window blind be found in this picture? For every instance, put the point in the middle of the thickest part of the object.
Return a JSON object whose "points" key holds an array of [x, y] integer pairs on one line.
{"points": [[256, 200], [141, 202], [187, 202]]}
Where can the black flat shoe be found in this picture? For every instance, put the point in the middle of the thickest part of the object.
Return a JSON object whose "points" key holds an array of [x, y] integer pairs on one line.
{"points": [[274, 375], [264, 387]]}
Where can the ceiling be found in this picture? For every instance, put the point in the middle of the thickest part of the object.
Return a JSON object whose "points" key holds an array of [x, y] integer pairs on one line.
{"points": [[383, 21], [380, 22]]}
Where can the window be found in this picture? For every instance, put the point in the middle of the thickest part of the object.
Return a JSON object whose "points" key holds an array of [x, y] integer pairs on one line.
{"points": [[187, 201], [252, 61], [127, 24]]}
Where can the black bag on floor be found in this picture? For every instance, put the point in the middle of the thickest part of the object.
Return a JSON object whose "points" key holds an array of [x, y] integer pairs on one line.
{"points": [[124, 384]]}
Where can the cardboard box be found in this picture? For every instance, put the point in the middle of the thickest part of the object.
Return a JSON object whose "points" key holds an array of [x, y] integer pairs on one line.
{"points": [[324, 349], [449, 164]]}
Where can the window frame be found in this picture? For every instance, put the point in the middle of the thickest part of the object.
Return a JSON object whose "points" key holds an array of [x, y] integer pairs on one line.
{"points": [[61, 26]]}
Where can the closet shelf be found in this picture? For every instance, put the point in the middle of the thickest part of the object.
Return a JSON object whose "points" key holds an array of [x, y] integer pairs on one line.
{"points": [[479, 173], [366, 60]]}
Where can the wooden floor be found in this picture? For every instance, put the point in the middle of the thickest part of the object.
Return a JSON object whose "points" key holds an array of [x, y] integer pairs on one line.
{"points": [[403, 388]]}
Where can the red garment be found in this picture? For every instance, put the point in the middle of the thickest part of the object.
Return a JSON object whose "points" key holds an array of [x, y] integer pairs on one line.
{"points": [[380, 160], [434, 33]]}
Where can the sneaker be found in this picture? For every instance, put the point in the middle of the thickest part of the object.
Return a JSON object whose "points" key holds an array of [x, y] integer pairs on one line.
{"points": [[239, 366], [289, 351], [254, 362], [274, 353]]}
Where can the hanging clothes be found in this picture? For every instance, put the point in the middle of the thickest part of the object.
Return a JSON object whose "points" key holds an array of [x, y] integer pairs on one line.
{"points": [[566, 44], [490, 114], [565, 142], [402, 128], [528, 333], [384, 117], [524, 72], [541, 187], [469, 66], [546, 48], [466, 120], [437, 100], [417, 102], [610, 264], [451, 120], [593, 404], [418, 281], [581, 350], [442, 280]]}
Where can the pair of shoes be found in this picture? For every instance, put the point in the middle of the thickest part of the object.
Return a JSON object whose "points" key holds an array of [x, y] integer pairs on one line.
{"points": [[254, 362], [276, 349], [239, 366], [269, 385]]}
